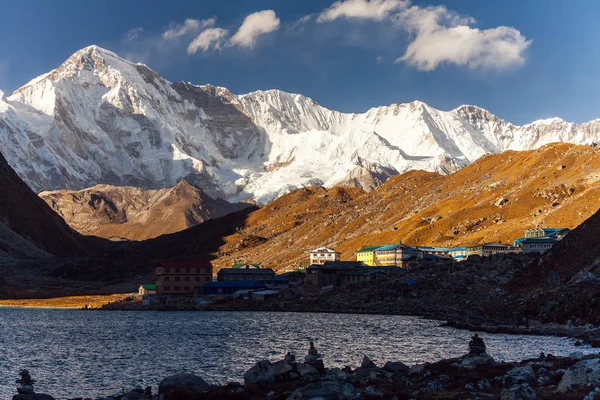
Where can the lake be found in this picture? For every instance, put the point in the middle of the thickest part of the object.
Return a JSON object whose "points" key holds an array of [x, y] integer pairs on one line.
{"points": [[93, 353]]}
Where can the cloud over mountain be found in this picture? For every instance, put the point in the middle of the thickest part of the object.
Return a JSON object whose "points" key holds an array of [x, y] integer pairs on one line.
{"points": [[255, 25], [210, 38]]}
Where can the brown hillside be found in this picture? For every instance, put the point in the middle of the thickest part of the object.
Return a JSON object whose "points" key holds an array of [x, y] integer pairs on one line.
{"points": [[119, 213], [494, 199]]}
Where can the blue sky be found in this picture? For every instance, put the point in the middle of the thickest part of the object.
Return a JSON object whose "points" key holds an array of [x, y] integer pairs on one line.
{"points": [[349, 55]]}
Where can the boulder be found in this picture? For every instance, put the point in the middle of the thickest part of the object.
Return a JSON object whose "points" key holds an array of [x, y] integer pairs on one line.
{"points": [[521, 391], [396, 367], [328, 390], [367, 363], [307, 369], [417, 369], [133, 395], [517, 376], [593, 395], [187, 382], [33, 396], [282, 367], [369, 391], [262, 372], [337, 374], [584, 373], [578, 355], [471, 361]]}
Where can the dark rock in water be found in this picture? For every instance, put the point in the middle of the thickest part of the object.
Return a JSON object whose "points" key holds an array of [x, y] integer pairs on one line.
{"points": [[325, 390], [187, 382], [262, 372], [367, 363], [396, 367]]}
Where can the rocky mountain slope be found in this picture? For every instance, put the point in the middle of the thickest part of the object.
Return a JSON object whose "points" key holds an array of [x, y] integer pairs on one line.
{"points": [[495, 198], [98, 119], [124, 212], [28, 227], [564, 284]]}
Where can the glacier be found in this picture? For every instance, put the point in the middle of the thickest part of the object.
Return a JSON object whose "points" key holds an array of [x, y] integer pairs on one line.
{"points": [[99, 119]]}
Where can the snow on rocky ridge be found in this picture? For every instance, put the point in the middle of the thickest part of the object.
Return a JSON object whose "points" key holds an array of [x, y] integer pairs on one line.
{"points": [[98, 119]]}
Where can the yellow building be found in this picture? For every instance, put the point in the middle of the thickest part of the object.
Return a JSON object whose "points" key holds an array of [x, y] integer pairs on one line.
{"points": [[367, 255]]}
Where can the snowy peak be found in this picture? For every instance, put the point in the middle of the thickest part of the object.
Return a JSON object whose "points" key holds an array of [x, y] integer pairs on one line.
{"points": [[99, 119]]}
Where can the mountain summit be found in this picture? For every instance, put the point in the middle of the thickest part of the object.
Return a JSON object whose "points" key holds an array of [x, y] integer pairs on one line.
{"points": [[99, 119]]}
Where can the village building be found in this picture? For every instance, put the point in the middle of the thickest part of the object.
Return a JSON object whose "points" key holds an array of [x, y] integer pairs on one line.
{"points": [[182, 277], [537, 245], [367, 255], [488, 249], [146, 289], [295, 277], [434, 259], [555, 233], [230, 287], [397, 255], [540, 240], [322, 255], [330, 272], [437, 251], [458, 253], [245, 272]]}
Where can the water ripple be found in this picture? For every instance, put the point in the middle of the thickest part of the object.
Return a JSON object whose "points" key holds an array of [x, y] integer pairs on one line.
{"points": [[93, 353]]}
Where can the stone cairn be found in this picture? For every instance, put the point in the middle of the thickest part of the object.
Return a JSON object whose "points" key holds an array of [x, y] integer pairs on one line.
{"points": [[314, 358], [476, 346], [26, 382]]}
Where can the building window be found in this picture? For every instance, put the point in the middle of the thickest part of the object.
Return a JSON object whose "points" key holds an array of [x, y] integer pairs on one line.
{"points": [[207, 279], [186, 288], [187, 270], [167, 279], [167, 288], [187, 278], [177, 288], [177, 279], [176, 270], [167, 270], [197, 279]]}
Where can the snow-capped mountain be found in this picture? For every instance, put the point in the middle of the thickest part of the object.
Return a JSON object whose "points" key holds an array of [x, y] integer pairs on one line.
{"points": [[98, 119]]}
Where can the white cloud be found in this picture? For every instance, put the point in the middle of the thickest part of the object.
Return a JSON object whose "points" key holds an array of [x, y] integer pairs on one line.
{"points": [[133, 34], [212, 37], [438, 35], [255, 25], [189, 26], [362, 9], [443, 37]]}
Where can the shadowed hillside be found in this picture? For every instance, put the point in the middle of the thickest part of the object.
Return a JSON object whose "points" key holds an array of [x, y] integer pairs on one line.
{"points": [[28, 227]]}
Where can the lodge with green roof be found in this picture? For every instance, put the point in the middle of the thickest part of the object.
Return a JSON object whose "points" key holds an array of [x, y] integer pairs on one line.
{"points": [[367, 255]]}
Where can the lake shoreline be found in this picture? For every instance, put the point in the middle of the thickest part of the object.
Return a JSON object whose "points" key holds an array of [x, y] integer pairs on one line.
{"points": [[475, 375]]}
